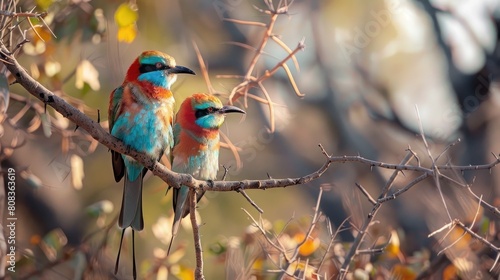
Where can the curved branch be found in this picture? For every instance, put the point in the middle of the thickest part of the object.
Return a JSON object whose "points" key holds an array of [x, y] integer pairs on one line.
{"points": [[177, 179], [102, 136]]}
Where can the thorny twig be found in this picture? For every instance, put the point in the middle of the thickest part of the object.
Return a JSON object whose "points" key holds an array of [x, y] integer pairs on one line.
{"points": [[333, 236], [463, 234], [367, 222], [437, 173], [456, 222], [7, 24], [250, 80], [314, 221], [245, 195]]}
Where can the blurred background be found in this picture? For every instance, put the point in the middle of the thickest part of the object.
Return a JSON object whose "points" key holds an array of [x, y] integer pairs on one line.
{"points": [[366, 69]]}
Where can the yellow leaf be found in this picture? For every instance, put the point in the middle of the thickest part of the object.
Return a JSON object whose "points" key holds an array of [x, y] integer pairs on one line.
{"points": [[393, 249], [258, 264], [40, 33], [309, 246], [44, 4], [126, 15], [308, 270], [402, 272], [450, 272], [182, 272], [127, 34]]}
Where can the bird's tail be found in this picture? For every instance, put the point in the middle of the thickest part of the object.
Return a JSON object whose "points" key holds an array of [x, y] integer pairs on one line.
{"points": [[180, 197], [134, 271], [131, 211], [130, 215]]}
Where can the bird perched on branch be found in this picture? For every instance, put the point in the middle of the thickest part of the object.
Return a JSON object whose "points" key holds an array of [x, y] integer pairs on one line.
{"points": [[196, 150], [141, 112]]}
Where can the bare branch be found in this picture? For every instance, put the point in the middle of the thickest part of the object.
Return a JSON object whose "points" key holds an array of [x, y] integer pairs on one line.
{"points": [[269, 73], [367, 222], [203, 68], [244, 22], [287, 49], [196, 235], [366, 193], [263, 231], [292, 81], [486, 205], [437, 173], [270, 105], [245, 195]]}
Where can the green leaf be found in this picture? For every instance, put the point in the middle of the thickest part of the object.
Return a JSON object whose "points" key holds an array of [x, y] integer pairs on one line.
{"points": [[485, 226]]}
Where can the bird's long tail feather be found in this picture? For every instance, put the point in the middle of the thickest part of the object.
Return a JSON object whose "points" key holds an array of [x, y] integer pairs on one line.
{"points": [[117, 264], [134, 269], [119, 252], [130, 215], [180, 197]]}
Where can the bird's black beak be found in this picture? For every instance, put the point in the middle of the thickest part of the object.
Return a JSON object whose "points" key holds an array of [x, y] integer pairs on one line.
{"points": [[180, 70], [231, 109]]}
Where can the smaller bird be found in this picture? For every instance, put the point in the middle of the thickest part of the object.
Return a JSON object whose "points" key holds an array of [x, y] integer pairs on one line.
{"points": [[196, 146]]}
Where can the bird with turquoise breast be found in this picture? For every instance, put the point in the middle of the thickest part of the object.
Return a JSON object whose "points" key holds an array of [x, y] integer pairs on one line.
{"points": [[141, 113], [196, 148]]}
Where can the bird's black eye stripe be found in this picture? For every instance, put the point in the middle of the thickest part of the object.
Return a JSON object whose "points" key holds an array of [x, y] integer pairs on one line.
{"points": [[145, 68], [203, 112]]}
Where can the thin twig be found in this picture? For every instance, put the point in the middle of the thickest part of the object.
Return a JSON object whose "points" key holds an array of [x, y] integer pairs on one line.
{"points": [[437, 173], [368, 221], [245, 195], [366, 193], [332, 240], [268, 74], [315, 219], [270, 105], [287, 49], [263, 231], [244, 22], [203, 68], [198, 274]]}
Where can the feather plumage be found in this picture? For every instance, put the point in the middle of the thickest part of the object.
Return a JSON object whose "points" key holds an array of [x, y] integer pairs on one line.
{"points": [[196, 149], [141, 115]]}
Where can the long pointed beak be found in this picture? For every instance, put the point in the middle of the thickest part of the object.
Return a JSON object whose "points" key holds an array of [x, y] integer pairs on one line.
{"points": [[180, 70], [231, 109]]}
